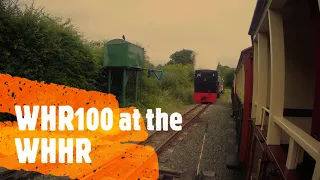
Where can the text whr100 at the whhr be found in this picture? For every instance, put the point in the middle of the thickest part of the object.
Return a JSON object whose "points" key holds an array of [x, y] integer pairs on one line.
{"points": [[93, 119]]}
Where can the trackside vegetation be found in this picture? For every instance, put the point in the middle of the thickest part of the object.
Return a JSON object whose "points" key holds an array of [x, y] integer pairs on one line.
{"points": [[38, 46]]}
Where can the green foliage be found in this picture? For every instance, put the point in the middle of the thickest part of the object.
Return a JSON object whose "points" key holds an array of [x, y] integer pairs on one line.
{"points": [[174, 90], [226, 96], [226, 73], [184, 56], [40, 47]]}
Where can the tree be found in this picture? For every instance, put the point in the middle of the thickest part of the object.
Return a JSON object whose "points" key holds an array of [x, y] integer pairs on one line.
{"points": [[39, 47], [226, 73], [159, 66], [184, 56]]}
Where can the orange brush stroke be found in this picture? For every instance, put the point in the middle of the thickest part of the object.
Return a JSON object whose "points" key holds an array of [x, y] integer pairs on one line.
{"points": [[110, 158]]}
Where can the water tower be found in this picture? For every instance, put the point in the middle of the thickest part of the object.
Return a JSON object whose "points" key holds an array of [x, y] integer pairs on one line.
{"points": [[124, 62]]}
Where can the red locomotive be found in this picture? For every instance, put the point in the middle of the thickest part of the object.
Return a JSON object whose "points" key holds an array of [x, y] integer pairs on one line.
{"points": [[206, 86]]}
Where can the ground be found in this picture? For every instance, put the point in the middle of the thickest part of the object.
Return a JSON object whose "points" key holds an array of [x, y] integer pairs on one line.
{"points": [[185, 154]]}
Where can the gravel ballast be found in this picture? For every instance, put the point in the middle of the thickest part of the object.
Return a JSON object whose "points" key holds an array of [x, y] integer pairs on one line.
{"points": [[185, 154]]}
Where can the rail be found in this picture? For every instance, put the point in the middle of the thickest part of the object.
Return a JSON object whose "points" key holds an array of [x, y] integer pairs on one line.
{"points": [[299, 139], [159, 148], [263, 116], [159, 132]]}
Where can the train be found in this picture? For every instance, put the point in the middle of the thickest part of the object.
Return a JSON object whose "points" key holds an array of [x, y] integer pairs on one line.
{"points": [[275, 129], [206, 86]]}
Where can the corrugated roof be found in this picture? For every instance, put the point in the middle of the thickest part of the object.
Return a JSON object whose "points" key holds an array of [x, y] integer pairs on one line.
{"points": [[261, 4]]}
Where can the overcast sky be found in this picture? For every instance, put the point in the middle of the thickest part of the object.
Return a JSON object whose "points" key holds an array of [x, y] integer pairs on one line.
{"points": [[217, 30]]}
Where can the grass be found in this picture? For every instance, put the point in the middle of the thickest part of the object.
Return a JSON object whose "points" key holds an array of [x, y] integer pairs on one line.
{"points": [[226, 96]]}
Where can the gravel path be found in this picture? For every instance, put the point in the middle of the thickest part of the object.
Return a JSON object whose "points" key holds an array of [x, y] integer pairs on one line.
{"points": [[185, 154]]}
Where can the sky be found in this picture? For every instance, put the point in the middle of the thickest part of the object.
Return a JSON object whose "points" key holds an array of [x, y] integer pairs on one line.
{"points": [[217, 30]]}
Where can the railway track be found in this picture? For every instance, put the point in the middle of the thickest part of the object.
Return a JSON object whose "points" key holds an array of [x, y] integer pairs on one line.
{"points": [[159, 140], [166, 140], [6, 174], [169, 174]]}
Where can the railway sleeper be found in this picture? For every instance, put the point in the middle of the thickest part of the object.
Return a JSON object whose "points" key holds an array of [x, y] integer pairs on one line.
{"points": [[202, 175], [22, 174], [191, 174]]}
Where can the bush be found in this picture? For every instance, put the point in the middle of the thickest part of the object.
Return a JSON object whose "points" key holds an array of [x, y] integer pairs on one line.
{"points": [[226, 73], [172, 92], [36, 46], [40, 47]]}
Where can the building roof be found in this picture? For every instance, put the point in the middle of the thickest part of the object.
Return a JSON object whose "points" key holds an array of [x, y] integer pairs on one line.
{"points": [[260, 6], [206, 70], [243, 52]]}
